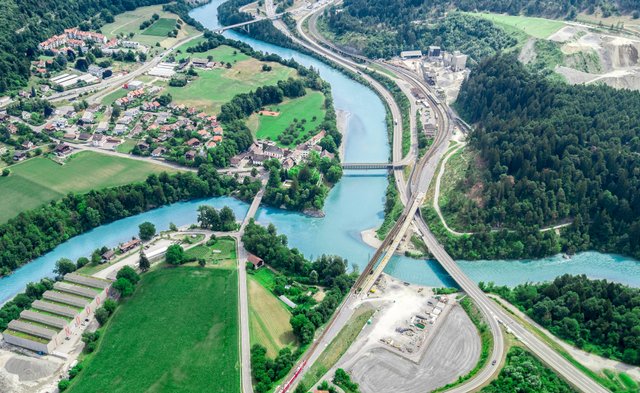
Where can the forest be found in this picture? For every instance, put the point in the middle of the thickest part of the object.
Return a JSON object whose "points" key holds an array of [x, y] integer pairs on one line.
{"points": [[35, 232], [384, 31], [524, 373], [595, 315], [553, 153], [28, 22]]}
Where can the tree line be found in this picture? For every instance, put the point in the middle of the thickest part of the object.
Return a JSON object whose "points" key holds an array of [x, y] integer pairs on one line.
{"points": [[554, 153], [595, 315], [37, 231]]}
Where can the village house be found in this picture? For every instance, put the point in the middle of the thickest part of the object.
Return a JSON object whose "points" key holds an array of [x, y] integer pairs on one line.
{"points": [[84, 136], [256, 261], [190, 155], [193, 142], [107, 256], [158, 151], [87, 117], [102, 127], [130, 245], [120, 129], [27, 145], [19, 155], [98, 140], [62, 150]]}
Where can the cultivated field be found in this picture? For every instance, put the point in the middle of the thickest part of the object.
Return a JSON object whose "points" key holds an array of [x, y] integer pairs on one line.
{"points": [[304, 108], [212, 88], [179, 332], [535, 27], [161, 27], [268, 319], [40, 180]]}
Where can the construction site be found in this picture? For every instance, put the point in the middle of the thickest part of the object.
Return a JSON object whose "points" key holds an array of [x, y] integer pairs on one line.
{"points": [[417, 341]]}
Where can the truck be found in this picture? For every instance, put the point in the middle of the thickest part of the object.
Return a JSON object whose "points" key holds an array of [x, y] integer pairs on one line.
{"points": [[395, 121]]}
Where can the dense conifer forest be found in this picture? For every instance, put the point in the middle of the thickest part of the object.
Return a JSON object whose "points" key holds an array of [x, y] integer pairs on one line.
{"points": [[554, 153]]}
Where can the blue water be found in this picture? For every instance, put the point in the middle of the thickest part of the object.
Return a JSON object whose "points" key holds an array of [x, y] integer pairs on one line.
{"points": [[110, 235], [354, 204]]}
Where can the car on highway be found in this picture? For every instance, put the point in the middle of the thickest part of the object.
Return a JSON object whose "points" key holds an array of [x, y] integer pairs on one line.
{"points": [[493, 363]]}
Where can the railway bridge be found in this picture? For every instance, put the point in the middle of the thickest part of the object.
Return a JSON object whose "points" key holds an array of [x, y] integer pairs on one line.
{"points": [[373, 165]]}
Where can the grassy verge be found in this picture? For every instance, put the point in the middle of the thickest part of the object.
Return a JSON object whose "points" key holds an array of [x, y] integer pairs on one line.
{"points": [[486, 339], [337, 347]]}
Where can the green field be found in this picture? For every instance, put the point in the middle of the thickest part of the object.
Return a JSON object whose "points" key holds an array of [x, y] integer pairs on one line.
{"points": [[268, 318], [37, 181], [113, 96], [129, 22], [179, 332], [161, 27], [303, 108], [535, 27], [126, 146], [212, 88], [223, 53], [221, 254]]}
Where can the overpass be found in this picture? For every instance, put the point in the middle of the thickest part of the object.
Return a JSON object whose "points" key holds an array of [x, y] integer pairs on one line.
{"points": [[246, 23], [373, 165]]}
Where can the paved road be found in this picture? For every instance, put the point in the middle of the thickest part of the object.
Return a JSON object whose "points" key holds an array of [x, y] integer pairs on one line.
{"points": [[245, 334], [492, 312]]}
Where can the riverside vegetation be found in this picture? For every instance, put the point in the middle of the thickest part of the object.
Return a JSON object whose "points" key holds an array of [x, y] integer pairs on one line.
{"points": [[595, 315]]}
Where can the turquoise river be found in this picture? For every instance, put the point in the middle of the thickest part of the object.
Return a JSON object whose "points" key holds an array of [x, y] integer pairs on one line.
{"points": [[354, 204]]}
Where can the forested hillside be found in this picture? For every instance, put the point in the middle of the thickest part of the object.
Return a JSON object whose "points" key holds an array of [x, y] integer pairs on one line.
{"points": [[596, 315], [553, 153], [383, 28], [25, 23], [385, 32]]}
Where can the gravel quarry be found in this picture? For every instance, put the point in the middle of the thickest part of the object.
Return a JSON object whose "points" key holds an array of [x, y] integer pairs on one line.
{"points": [[617, 57]]}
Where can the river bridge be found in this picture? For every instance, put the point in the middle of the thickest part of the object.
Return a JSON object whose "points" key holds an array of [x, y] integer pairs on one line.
{"points": [[373, 165]]}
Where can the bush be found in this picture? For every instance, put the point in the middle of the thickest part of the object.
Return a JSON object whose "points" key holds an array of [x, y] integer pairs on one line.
{"points": [[123, 286], [102, 315], [110, 305], [64, 385], [175, 255], [128, 273], [6, 172]]}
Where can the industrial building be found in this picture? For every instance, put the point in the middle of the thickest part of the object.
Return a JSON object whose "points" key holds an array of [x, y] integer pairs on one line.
{"points": [[411, 54], [59, 314]]}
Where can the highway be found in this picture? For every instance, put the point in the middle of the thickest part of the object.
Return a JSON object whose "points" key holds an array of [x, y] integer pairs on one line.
{"points": [[418, 184]]}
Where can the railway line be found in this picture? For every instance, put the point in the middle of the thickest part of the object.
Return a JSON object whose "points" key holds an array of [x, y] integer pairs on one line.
{"points": [[418, 183]]}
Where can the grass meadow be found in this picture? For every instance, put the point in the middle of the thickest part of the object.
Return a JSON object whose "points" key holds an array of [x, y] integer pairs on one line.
{"points": [[535, 27], [307, 107], [39, 180], [177, 333]]}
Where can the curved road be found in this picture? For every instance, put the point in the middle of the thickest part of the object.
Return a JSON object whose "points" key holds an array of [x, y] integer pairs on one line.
{"points": [[493, 313]]}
